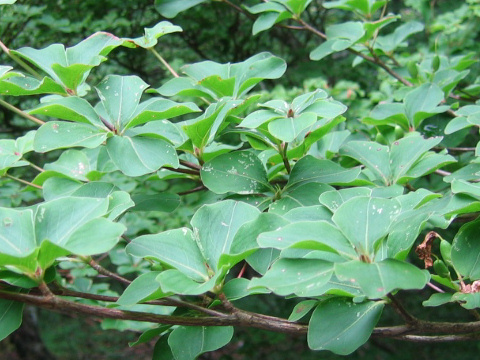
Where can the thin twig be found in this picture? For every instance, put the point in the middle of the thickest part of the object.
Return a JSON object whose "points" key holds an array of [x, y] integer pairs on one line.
{"points": [[161, 302], [443, 172], [311, 29], [164, 62], [106, 272], [409, 319], [182, 171], [19, 61], [434, 287], [38, 168], [283, 153], [454, 149], [23, 181], [21, 112], [191, 191], [126, 238]]}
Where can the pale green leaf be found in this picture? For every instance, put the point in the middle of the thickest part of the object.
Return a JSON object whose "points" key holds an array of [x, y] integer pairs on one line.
{"points": [[342, 326], [138, 155], [189, 342], [240, 172], [176, 248], [381, 278], [303, 277], [365, 221]]}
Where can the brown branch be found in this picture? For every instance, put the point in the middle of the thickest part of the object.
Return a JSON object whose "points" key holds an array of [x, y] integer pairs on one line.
{"points": [[190, 165], [310, 28], [161, 302], [103, 271], [191, 191], [438, 338], [242, 319], [409, 319], [182, 171], [246, 319]]}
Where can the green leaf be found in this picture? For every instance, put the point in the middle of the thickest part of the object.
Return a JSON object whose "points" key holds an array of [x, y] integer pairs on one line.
{"points": [[161, 350], [381, 278], [240, 172], [405, 152], [56, 220], [287, 129], [175, 282], [19, 84], [72, 163], [309, 169], [138, 155], [72, 223], [342, 326], [314, 235], [175, 248], [233, 80], [10, 154], [388, 114], [468, 301], [339, 37], [120, 96], [71, 66], [238, 288], [164, 202], [422, 102], [365, 221], [261, 260], [94, 237], [60, 134], [466, 251], [189, 342], [374, 156], [149, 334], [302, 309], [303, 277], [143, 288], [403, 233], [258, 118], [367, 7], [158, 109], [333, 199], [150, 39], [216, 225], [17, 235], [245, 239], [203, 130], [10, 316], [171, 8], [390, 42], [464, 187], [69, 108], [301, 196], [268, 20], [438, 299]]}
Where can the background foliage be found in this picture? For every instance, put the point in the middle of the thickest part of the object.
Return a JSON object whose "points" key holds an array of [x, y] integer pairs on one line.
{"points": [[380, 118]]}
